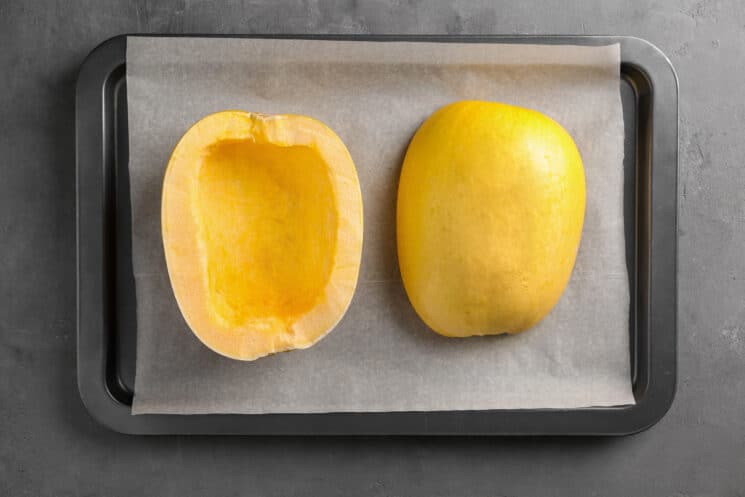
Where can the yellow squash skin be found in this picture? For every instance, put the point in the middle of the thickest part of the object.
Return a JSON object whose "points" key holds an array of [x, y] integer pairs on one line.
{"points": [[491, 204], [262, 231]]}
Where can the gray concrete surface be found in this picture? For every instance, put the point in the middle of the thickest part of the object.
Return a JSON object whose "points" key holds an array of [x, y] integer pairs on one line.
{"points": [[50, 446]]}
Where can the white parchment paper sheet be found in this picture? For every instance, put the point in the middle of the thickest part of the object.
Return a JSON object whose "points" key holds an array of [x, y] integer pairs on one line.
{"points": [[381, 357]]}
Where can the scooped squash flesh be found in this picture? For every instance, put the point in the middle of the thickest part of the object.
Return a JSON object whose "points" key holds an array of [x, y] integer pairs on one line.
{"points": [[491, 205], [262, 231]]}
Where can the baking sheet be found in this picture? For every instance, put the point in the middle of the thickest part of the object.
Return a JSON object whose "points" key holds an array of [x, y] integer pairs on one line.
{"points": [[381, 357]]}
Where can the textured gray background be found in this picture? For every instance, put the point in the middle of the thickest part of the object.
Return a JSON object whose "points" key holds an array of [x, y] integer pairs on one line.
{"points": [[50, 446]]}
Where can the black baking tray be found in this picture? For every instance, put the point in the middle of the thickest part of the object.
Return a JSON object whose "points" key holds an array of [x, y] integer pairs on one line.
{"points": [[106, 292]]}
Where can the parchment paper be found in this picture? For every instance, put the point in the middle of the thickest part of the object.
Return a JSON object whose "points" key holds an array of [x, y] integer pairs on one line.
{"points": [[381, 357]]}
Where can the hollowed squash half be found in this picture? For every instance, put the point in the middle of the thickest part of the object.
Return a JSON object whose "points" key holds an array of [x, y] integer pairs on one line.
{"points": [[262, 231]]}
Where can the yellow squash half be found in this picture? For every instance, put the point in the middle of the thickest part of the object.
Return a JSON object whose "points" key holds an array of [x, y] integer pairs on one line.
{"points": [[262, 231], [491, 204]]}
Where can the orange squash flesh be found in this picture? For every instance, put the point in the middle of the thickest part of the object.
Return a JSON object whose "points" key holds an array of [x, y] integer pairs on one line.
{"points": [[262, 231]]}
